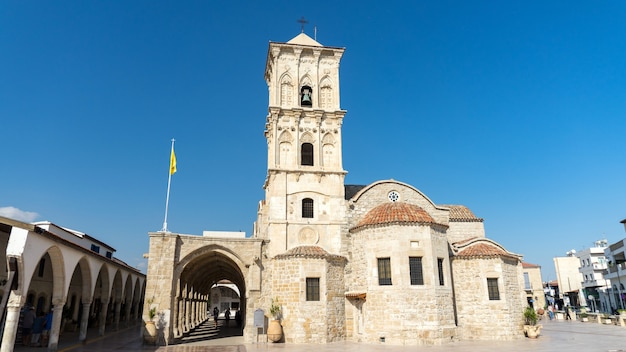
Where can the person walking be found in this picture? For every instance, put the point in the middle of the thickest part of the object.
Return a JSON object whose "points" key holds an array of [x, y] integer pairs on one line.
{"points": [[27, 325], [227, 316], [216, 312]]}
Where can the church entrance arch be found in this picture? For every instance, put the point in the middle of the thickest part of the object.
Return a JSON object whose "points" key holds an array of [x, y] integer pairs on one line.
{"points": [[205, 272], [210, 277]]}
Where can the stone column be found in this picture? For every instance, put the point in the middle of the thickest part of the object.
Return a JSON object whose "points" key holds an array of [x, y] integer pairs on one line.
{"points": [[12, 321], [57, 316], [187, 313], [84, 320], [181, 316], [102, 319], [174, 317], [127, 312], [118, 308]]}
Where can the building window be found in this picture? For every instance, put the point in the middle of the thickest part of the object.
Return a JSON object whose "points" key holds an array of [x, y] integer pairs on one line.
{"points": [[42, 266], [306, 154], [312, 288], [95, 248], [307, 208], [384, 271], [492, 288], [415, 269], [306, 96], [440, 270], [109, 255], [526, 282]]}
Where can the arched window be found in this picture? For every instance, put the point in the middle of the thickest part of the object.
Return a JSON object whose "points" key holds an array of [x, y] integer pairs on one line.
{"points": [[307, 208], [306, 154], [306, 96]]}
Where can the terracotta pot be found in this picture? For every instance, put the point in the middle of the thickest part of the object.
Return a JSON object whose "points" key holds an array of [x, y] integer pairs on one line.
{"points": [[532, 331], [274, 331], [150, 332]]}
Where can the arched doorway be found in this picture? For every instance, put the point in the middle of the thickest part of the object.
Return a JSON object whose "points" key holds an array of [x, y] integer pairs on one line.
{"points": [[210, 277]]}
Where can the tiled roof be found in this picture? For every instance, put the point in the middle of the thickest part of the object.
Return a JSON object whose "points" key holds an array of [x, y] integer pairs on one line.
{"points": [[461, 213], [394, 213], [481, 248], [307, 252], [529, 265]]}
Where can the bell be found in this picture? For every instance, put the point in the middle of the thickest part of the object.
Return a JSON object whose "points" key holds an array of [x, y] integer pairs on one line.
{"points": [[306, 98]]}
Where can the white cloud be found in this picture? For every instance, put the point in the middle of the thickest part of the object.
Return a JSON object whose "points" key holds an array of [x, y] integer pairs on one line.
{"points": [[17, 214]]}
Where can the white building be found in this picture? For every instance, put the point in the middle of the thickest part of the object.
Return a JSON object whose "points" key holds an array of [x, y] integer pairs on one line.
{"points": [[593, 264], [616, 273], [70, 273], [569, 279]]}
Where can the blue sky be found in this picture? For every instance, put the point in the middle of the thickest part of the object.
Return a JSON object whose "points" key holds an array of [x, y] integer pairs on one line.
{"points": [[514, 109]]}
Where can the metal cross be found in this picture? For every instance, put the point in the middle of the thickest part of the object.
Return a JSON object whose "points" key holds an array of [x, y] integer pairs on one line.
{"points": [[302, 22]]}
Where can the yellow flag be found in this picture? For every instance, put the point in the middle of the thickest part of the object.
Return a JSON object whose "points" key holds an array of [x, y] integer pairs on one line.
{"points": [[172, 163]]}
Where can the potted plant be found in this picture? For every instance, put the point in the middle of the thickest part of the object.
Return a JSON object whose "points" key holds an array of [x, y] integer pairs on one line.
{"points": [[531, 328], [583, 317], [274, 329], [150, 331]]}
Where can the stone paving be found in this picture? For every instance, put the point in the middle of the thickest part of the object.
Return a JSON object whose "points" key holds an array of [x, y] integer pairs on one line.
{"points": [[556, 335]]}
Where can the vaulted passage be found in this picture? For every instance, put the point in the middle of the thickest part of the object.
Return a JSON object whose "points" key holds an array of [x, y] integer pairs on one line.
{"points": [[206, 273], [210, 279]]}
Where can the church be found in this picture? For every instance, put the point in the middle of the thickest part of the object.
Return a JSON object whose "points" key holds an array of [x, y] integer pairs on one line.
{"points": [[377, 263]]}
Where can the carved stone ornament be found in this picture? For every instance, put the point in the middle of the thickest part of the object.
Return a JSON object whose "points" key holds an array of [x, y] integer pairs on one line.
{"points": [[308, 236]]}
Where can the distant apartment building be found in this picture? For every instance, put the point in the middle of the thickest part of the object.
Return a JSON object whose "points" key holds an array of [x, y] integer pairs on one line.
{"points": [[569, 279], [593, 265], [616, 273], [533, 286]]}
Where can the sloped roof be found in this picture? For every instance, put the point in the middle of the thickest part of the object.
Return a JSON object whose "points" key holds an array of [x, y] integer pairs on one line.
{"points": [[481, 248], [394, 213], [461, 213], [303, 39], [530, 265], [307, 252]]}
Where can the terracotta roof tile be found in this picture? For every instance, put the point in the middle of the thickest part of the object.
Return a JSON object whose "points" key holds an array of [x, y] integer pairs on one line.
{"points": [[481, 250], [529, 265], [394, 213], [307, 252], [461, 213]]}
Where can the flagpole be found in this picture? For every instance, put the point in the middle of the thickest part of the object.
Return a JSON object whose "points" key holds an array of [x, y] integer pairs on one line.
{"points": [[169, 182]]}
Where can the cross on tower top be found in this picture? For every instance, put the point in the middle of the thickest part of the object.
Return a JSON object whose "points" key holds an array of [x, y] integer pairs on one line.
{"points": [[302, 22]]}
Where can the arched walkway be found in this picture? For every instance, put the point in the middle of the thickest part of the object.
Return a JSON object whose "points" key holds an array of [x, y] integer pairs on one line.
{"points": [[57, 272], [199, 265]]}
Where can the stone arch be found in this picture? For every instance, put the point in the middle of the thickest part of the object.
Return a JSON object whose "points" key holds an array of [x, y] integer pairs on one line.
{"points": [[284, 145], [328, 150], [195, 275], [326, 93], [286, 90], [58, 277]]}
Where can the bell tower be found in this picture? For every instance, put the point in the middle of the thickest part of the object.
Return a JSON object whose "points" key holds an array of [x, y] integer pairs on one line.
{"points": [[304, 188]]}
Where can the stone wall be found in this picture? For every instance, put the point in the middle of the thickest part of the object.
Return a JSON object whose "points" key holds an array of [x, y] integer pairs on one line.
{"points": [[305, 321], [480, 318]]}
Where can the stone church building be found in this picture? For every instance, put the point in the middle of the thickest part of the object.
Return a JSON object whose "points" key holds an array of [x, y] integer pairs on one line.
{"points": [[377, 263]]}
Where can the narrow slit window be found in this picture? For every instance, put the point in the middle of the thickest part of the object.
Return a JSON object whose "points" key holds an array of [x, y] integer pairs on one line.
{"points": [[440, 270]]}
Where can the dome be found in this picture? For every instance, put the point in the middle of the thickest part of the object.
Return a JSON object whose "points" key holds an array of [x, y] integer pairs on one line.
{"points": [[395, 213]]}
